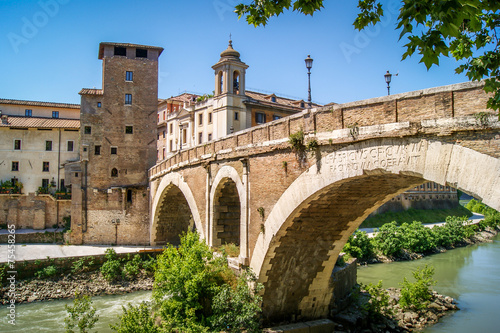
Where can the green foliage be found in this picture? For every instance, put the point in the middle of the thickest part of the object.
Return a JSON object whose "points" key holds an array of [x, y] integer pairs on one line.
{"points": [[81, 315], [416, 237], [296, 140], [359, 246], [82, 265], [378, 305], [46, 272], [237, 307], [111, 269], [389, 239], [416, 295], [149, 265], [465, 29], [191, 283], [231, 250], [312, 145], [3, 272], [136, 319], [132, 267]]}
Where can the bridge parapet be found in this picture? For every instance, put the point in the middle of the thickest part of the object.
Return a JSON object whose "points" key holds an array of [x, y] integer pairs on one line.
{"points": [[377, 114]]}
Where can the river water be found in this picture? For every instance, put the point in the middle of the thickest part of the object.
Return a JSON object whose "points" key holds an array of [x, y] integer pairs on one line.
{"points": [[471, 275]]}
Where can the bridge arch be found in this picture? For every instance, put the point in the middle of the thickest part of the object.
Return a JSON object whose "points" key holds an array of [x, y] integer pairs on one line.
{"points": [[174, 211], [308, 226], [228, 210]]}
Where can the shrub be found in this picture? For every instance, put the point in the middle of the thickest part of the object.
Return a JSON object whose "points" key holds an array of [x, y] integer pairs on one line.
{"points": [[359, 246], [136, 319], [81, 265], [417, 295], [81, 315], [231, 249], [149, 265], [132, 267], [46, 272], [378, 305], [389, 239], [191, 285], [416, 237], [111, 268], [296, 140]]}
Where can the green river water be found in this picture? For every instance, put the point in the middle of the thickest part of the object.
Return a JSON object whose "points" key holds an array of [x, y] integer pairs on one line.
{"points": [[471, 275]]}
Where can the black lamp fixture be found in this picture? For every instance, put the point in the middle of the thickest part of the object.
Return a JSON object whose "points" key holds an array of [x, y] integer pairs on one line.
{"points": [[309, 64]]}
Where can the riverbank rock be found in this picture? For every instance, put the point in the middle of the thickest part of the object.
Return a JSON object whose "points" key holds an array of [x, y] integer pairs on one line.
{"points": [[91, 284], [355, 319]]}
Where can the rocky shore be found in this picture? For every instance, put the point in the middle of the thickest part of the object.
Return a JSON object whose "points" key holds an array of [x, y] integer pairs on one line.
{"points": [[355, 319], [92, 284]]}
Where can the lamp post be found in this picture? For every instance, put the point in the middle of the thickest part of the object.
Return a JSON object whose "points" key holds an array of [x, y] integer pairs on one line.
{"points": [[388, 77], [309, 64]]}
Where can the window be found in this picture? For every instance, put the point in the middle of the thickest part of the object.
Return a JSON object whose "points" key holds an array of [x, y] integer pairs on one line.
{"points": [[17, 144], [236, 115], [200, 137], [28, 113], [15, 166], [129, 196], [273, 99], [45, 167], [141, 53], [302, 104], [200, 119], [114, 172], [55, 114], [184, 135], [48, 145], [97, 150], [163, 153], [171, 128], [129, 129], [210, 117], [171, 145], [99, 104], [62, 187], [120, 51], [70, 145], [45, 183], [260, 118], [114, 150], [164, 134], [129, 76], [87, 130], [276, 117], [209, 136], [128, 99]]}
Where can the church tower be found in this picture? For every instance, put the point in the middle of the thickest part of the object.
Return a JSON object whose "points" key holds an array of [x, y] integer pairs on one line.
{"points": [[229, 110]]}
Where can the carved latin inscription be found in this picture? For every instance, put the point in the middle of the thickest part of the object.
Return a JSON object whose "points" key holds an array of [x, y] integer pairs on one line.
{"points": [[386, 156]]}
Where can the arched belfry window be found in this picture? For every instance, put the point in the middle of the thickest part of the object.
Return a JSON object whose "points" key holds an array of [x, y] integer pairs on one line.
{"points": [[114, 172], [220, 83], [236, 82]]}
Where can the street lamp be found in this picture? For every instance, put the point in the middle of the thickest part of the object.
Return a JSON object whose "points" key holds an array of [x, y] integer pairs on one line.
{"points": [[309, 64], [388, 77]]}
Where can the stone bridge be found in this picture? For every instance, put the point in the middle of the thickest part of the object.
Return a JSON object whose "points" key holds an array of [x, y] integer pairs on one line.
{"points": [[291, 211]]}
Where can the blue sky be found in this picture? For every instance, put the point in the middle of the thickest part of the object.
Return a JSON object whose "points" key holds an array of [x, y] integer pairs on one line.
{"points": [[48, 49]]}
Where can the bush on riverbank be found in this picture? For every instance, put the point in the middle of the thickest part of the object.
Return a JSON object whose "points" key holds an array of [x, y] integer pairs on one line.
{"points": [[397, 242]]}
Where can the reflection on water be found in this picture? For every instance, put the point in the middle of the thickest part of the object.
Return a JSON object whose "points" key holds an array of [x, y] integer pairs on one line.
{"points": [[49, 316], [471, 275]]}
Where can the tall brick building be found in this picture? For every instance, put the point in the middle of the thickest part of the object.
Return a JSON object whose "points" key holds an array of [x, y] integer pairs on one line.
{"points": [[118, 146]]}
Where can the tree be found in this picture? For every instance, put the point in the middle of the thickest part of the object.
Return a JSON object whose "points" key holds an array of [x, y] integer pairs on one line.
{"points": [[468, 30], [81, 315]]}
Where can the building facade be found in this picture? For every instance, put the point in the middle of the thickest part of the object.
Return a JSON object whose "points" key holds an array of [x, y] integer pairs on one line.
{"points": [[188, 120], [37, 139]]}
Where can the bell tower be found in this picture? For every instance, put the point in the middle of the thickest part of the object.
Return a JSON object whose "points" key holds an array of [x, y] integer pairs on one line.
{"points": [[229, 110]]}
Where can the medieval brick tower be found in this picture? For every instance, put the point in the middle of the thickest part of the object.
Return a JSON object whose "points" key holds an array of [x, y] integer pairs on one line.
{"points": [[117, 147]]}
